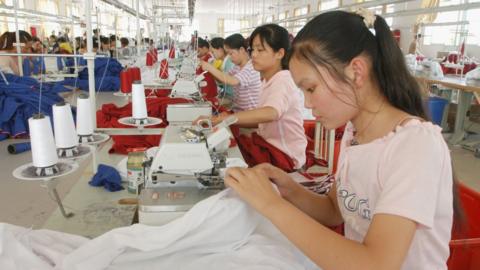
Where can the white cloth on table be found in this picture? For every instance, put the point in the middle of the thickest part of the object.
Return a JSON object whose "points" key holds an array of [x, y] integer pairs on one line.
{"points": [[221, 232]]}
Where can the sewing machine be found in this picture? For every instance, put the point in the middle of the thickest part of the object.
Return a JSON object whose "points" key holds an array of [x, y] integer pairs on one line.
{"points": [[188, 167]]}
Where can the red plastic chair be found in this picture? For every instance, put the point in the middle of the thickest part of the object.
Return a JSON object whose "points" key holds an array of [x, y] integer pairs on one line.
{"points": [[465, 243]]}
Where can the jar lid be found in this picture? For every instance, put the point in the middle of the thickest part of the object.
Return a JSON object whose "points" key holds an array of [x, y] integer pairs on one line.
{"points": [[136, 149]]}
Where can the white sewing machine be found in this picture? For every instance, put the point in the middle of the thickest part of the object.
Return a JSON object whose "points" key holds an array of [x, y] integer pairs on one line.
{"points": [[188, 167]]}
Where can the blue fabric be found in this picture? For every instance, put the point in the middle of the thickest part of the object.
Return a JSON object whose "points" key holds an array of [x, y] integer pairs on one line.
{"points": [[108, 177], [3, 136], [106, 68], [38, 65], [17, 148], [19, 101]]}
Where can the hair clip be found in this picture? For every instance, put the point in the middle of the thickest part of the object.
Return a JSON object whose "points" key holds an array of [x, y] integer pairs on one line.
{"points": [[368, 18]]}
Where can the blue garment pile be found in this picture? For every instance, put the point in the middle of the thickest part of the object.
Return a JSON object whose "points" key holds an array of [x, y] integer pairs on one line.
{"points": [[108, 177], [38, 65], [19, 101], [108, 67]]}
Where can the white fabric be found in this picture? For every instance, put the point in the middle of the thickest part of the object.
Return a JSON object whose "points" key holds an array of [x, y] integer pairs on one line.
{"points": [[407, 173], [221, 232], [473, 77]]}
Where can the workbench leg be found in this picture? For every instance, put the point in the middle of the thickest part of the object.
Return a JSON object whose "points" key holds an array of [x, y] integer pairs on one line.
{"points": [[464, 102]]}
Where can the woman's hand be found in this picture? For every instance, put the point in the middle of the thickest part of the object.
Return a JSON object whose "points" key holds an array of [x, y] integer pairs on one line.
{"points": [[285, 184], [254, 186], [205, 66]]}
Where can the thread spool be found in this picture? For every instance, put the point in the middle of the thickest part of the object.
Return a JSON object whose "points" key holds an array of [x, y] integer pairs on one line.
{"points": [[149, 61], [17, 148], [63, 126], [154, 53], [43, 146], [125, 81], [171, 53], [84, 119], [135, 73], [163, 74], [139, 106]]}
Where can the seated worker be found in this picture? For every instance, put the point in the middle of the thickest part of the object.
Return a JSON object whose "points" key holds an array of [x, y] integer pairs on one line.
{"points": [[203, 51], [9, 64], [278, 116], [124, 51], [243, 78], [223, 63], [34, 65], [394, 189]]}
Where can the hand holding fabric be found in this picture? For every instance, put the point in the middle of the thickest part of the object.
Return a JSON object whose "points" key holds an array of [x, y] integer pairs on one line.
{"points": [[254, 186]]}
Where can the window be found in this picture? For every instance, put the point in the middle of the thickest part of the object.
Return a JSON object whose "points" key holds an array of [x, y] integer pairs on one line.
{"points": [[328, 4], [300, 11], [473, 17], [269, 19], [283, 16], [10, 3], [48, 6], [231, 26]]}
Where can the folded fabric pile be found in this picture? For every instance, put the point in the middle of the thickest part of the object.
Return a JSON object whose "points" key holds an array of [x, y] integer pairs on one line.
{"points": [[19, 100], [108, 117], [107, 75]]}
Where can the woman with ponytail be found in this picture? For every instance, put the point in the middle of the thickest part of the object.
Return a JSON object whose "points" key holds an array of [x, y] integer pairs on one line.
{"points": [[279, 114], [393, 188]]}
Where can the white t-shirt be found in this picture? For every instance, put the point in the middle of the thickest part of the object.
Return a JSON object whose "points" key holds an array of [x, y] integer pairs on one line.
{"points": [[406, 173]]}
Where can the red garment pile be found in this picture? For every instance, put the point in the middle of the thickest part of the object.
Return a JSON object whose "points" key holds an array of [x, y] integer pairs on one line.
{"points": [[108, 117]]}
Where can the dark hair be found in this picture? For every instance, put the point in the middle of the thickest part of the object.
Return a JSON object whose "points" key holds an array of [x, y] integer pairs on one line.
{"points": [[202, 43], [276, 37], [113, 38], [334, 38], [104, 40], [124, 41], [8, 39], [217, 43], [53, 36], [235, 41], [61, 40]]}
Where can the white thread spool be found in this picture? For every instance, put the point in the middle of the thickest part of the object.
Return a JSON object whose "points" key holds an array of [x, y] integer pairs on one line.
{"points": [[63, 126], [139, 105], [84, 119], [44, 153]]}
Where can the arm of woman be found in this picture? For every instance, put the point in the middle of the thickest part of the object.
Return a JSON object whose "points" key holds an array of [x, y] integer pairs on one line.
{"points": [[323, 209], [219, 75], [250, 118], [385, 246]]}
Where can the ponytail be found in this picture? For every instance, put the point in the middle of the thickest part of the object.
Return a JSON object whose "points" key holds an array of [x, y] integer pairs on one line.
{"points": [[395, 81]]}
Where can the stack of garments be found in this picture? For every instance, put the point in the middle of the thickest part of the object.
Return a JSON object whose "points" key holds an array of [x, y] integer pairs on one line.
{"points": [[19, 100], [107, 76], [108, 117]]}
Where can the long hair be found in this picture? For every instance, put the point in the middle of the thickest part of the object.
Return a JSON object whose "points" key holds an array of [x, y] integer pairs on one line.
{"points": [[333, 39]]}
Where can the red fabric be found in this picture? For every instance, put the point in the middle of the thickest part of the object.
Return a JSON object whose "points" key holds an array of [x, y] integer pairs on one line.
{"points": [[171, 53], [256, 150], [210, 90], [108, 117], [309, 127], [163, 69]]}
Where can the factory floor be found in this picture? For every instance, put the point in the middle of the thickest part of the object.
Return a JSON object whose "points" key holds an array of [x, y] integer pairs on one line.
{"points": [[28, 204]]}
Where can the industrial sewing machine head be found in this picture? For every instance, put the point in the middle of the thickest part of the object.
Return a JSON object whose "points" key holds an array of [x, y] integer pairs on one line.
{"points": [[188, 167], [189, 152]]}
